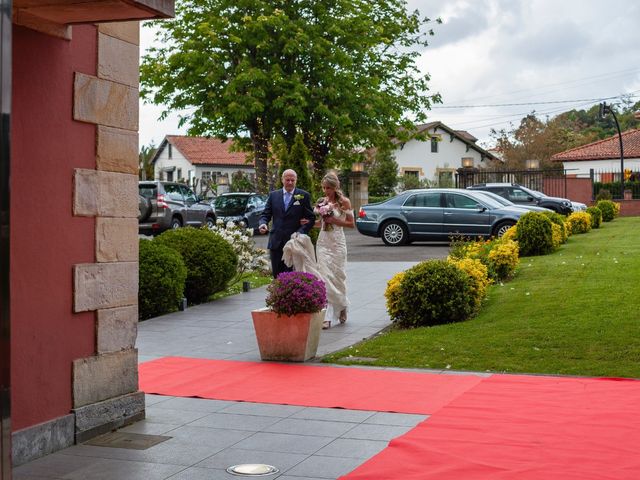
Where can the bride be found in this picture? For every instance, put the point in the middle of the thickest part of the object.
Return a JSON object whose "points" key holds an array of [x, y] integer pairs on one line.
{"points": [[331, 248]]}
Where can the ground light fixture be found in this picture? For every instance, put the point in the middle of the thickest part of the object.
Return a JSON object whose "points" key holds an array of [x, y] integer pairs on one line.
{"points": [[252, 470]]}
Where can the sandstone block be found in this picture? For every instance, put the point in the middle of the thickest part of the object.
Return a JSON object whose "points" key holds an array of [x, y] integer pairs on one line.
{"points": [[104, 102], [104, 376], [127, 31], [117, 329], [105, 194], [118, 60], [104, 285], [116, 239], [117, 150]]}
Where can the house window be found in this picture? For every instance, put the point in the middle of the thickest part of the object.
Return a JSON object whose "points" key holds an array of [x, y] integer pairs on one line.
{"points": [[169, 176], [206, 177], [411, 173], [170, 151], [434, 145], [179, 174]]}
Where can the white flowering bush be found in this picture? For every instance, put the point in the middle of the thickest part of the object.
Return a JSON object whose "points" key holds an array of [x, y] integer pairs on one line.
{"points": [[250, 258]]}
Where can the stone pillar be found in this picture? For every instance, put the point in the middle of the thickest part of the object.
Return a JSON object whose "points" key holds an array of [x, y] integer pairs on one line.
{"points": [[105, 385], [358, 190]]}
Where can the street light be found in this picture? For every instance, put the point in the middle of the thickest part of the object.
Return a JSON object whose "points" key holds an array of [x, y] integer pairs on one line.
{"points": [[604, 110]]}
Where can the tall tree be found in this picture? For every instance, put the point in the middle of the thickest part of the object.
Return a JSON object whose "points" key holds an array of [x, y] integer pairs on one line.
{"points": [[297, 159], [340, 72], [383, 176], [145, 168]]}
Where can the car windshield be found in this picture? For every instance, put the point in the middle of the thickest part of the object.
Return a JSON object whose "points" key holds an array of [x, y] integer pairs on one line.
{"points": [[533, 193], [497, 198], [231, 204]]}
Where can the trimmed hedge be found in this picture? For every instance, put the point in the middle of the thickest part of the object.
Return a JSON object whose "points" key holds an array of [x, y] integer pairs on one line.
{"points": [[534, 234], [162, 274], [433, 292], [607, 208], [596, 216], [209, 258]]}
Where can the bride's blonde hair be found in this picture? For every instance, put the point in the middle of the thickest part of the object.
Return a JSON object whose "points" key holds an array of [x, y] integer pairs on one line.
{"points": [[332, 180]]}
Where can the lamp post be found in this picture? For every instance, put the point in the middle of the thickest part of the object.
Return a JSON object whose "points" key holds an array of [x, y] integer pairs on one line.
{"points": [[604, 110]]}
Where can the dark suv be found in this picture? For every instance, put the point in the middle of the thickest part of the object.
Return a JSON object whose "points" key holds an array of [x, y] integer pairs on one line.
{"points": [[241, 208], [524, 196], [165, 205]]}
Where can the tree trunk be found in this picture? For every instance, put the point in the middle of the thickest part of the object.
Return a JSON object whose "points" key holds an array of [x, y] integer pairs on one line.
{"points": [[261, 154]]}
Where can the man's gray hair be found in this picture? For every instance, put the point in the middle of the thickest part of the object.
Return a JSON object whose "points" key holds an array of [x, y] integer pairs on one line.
{"points": [[289, 171]]}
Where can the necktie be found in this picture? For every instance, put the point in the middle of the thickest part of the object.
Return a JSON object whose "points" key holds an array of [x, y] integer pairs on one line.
{"points": [[287, 199]]}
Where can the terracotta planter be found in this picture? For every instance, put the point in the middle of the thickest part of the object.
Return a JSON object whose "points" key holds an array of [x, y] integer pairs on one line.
{"points": [[287, 338]]}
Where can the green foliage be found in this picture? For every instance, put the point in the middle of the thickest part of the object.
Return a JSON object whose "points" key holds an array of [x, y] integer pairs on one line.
{"points": [[579, 222], [209, 258], [240, 183], [534, 234], [162, 275], [434, 292], [343, 73], [145, 167], [409, 182], [383, 176], [374, 199], [607, 208], [596, 216], [560, 221], [297, 159], [499, 255], [603, 194]]}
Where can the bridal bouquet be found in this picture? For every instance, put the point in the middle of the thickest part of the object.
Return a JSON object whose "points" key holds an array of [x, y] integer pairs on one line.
{"points": [[325, 209]]}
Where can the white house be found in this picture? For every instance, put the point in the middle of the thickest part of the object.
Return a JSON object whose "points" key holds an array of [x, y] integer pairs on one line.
{"points": [[442, 154], [198, 161], [602, 156]]}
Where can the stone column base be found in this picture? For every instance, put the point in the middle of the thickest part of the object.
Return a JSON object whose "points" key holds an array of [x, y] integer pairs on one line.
{"points": [[102, 417], [41, 439]]}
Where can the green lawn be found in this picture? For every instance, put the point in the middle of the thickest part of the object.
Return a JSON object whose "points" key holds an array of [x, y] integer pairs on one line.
{"points": [[256, 280], [573, 312]]}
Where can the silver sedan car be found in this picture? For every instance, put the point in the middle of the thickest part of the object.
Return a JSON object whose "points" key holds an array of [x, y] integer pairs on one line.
{"points": [[435, 215]]}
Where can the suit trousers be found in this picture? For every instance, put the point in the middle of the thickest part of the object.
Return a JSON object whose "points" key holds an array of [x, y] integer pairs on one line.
{"points": [[277, 264]]}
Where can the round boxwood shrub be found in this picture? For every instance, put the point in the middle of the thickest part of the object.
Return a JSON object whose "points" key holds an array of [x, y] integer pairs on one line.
{"points": [[162, 274], [559, 220], [434, 292], [579, 222], [479, 277], [534, 234], [596, 216], [210, 260], [607, 208]]}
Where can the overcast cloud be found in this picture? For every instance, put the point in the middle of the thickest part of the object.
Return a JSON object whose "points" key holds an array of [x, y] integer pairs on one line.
{"points": [[497, 52]]}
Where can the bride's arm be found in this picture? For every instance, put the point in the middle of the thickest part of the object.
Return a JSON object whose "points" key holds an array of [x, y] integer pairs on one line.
{"points": [[348, 221]]}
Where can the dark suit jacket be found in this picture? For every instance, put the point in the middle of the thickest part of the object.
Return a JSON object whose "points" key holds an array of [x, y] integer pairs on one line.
{"points": [[285, 223]]}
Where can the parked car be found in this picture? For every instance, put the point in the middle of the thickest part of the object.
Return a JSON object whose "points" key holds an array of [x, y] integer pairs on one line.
{"points": [[436, 214], [509, 203], [241, 208], [165, 205], [524, 196]]}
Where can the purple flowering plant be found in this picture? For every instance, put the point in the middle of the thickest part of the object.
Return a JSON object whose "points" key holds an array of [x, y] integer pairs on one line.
{"points": [[296, 292]]}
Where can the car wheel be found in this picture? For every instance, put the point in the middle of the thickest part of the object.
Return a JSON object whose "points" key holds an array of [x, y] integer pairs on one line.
{"points": [[394, 233], [210, 222], [144, 208], [502, 228], [175, 223]]}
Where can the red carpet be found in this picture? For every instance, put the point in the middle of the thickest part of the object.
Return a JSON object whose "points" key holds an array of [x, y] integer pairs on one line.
{"points": [[311, 386], [524, 428]]}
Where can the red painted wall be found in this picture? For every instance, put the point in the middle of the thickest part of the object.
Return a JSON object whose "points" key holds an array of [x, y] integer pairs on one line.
{"points": [[46, 239]]}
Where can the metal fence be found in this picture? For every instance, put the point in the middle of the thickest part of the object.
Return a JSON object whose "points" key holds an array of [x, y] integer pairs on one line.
{"points": [[550, 182], [610, 181]]}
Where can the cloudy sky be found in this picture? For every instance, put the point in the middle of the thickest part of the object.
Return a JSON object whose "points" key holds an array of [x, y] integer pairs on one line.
{"points": [[494, 61]]}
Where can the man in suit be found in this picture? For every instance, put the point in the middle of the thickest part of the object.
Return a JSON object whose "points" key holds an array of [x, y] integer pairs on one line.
{"points": [[287, 208]]}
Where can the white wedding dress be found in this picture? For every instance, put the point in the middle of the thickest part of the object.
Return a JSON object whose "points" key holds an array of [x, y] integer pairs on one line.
{"points": [[330, 266], [331, 250]]}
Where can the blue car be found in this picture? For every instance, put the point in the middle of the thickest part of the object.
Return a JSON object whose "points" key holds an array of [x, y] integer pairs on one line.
{"points": [[435, 215]]}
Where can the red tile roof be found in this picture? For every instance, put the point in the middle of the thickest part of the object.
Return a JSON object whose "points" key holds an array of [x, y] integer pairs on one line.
{"points": [[603, 149], [207, 151]]}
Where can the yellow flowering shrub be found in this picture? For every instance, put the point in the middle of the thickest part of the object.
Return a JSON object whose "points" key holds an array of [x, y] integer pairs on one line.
{"points": [[616, 209], [556, 235], [503, 259], [510, 234], [579, 222], [393, 293], [478, 274]]}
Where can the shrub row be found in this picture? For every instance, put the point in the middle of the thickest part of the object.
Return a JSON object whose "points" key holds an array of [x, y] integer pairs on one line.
{"points": [[434, 292]]}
